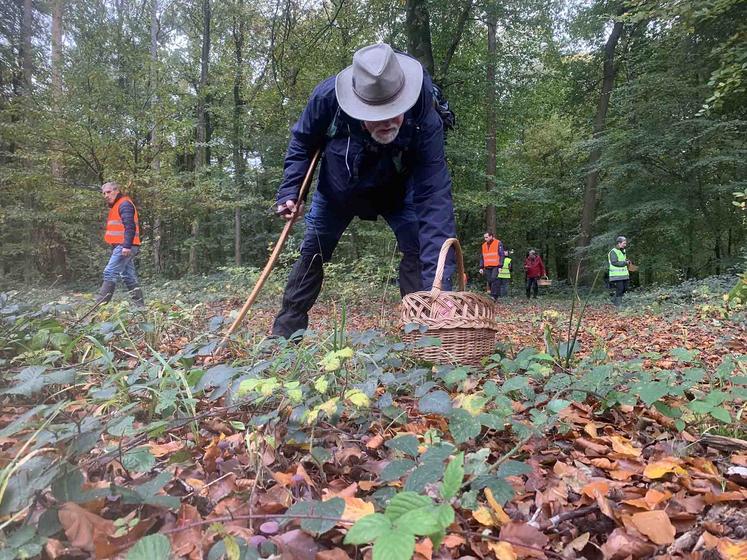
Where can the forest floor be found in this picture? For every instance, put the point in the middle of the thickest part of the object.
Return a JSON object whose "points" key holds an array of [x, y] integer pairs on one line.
{"points": [[128, 436]]}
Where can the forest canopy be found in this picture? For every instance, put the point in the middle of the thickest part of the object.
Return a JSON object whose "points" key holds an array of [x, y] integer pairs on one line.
{"points": [[576, 122]]}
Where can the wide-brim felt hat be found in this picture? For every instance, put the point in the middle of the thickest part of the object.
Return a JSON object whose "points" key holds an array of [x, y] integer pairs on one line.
{"points": [[379, 85]]}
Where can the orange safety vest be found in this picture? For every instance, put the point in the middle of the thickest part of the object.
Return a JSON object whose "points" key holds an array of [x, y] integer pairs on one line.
{"points": [[491, 254], [115, 229]]}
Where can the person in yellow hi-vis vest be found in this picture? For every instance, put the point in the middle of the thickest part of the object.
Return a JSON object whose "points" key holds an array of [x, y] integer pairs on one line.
{"points": [[618, 270], [504, 273]]}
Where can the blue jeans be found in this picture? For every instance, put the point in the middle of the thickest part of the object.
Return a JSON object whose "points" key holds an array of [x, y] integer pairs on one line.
{"points": [[119, 265], [325, 224], [503, 287]]}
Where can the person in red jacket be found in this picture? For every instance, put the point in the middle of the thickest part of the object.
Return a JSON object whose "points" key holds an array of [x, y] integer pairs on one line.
{"points": [[534, 269]]}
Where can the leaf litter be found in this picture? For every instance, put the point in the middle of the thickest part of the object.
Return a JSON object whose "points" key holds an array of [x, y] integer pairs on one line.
{"points": [[612, 473]]}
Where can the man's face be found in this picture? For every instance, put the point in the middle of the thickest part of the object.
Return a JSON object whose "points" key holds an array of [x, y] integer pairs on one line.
{"points": [[110, 193], [488, 238], [623, 244], [532, 254], [384, 132]]}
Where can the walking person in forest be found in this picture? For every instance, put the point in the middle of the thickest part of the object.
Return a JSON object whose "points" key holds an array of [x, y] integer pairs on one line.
{"points": [[504, 274], [534, 269], [123, 234], [619, 276], [491, 258], [383, 145]]}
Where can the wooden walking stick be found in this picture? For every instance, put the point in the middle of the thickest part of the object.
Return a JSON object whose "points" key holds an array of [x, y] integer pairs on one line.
{"points": [[275, 252]]}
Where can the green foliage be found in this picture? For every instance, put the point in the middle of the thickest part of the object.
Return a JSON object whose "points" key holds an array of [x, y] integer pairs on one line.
{"points": [[671, 155], [357, 380], [151, 547]]}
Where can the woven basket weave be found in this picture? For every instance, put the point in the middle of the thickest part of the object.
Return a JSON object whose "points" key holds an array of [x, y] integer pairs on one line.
{"points": [[464, 321]]}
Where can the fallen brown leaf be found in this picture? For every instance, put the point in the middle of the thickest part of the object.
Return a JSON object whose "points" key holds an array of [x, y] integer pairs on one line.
{"points": [[334, 554], [620, 544], [453, 541], [82, 527], [502, 550], [652, 499], [188, 540], [375, 442], [660, 469], [296, 545], [424, 549], [655, 525], [522, 536]]}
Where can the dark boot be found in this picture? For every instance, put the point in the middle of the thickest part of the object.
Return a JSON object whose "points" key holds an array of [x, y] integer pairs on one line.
{"points": [[301, 291], [106, 292], [410, 276], [137, 296]]}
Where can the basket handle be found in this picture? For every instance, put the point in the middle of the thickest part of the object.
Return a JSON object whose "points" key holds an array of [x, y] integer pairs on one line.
{"points": [[438, 279]]}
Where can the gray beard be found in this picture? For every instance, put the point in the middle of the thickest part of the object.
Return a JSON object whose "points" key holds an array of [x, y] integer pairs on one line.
{"points": [[385, 138]]}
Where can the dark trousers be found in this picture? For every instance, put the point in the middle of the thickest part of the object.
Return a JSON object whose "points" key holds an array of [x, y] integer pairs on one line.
{"points": [[503, 287], [532, 286], [620, 286], [491, 275], [324, 227]]}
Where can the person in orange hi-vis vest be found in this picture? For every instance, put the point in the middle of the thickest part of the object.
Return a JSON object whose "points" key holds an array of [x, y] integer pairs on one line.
{"points": [[491, 259], [123, 234]]}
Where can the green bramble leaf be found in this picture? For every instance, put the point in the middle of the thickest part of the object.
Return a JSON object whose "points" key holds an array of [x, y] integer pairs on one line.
{"points": [[421, 522], [404, 502], [394, 545], [445, 515], [463, 426], [720, 413], [152, 547], [427, 473], [331, 511], [407, 444], [368, 529], [396, 470], [453, 477]]}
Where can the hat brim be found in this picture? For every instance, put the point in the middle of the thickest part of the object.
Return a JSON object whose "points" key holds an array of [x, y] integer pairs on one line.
{"points": [[358, 109]]}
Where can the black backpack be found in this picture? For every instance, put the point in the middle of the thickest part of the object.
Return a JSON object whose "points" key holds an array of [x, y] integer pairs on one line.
{"points": [[441, 105]]}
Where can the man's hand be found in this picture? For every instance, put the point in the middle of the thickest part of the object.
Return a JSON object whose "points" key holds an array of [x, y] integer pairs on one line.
{"points": [[287, 209], [126, 252], [481, 271]]}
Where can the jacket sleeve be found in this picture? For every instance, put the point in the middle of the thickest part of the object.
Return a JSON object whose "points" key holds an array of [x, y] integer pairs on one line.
{"points": [[482, 259], [307, 135], [501, 253], [127, 215], [431, 186]]}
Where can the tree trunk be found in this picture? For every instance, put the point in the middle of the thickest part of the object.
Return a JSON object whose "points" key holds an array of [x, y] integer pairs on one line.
{"points": [[591, 182], [56, 164], [456, 37], [26, 58], [490, 118], [202, 156], [418, 29], [155, 164], [238, 152]]}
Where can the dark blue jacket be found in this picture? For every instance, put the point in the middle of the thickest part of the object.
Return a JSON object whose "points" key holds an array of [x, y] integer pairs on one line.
{"points": [[368, 178], [127, 215]]}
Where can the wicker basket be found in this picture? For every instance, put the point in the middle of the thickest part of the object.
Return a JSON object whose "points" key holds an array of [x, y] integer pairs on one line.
{"points": [[632, 268], [464, 321], [544, 281]]}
